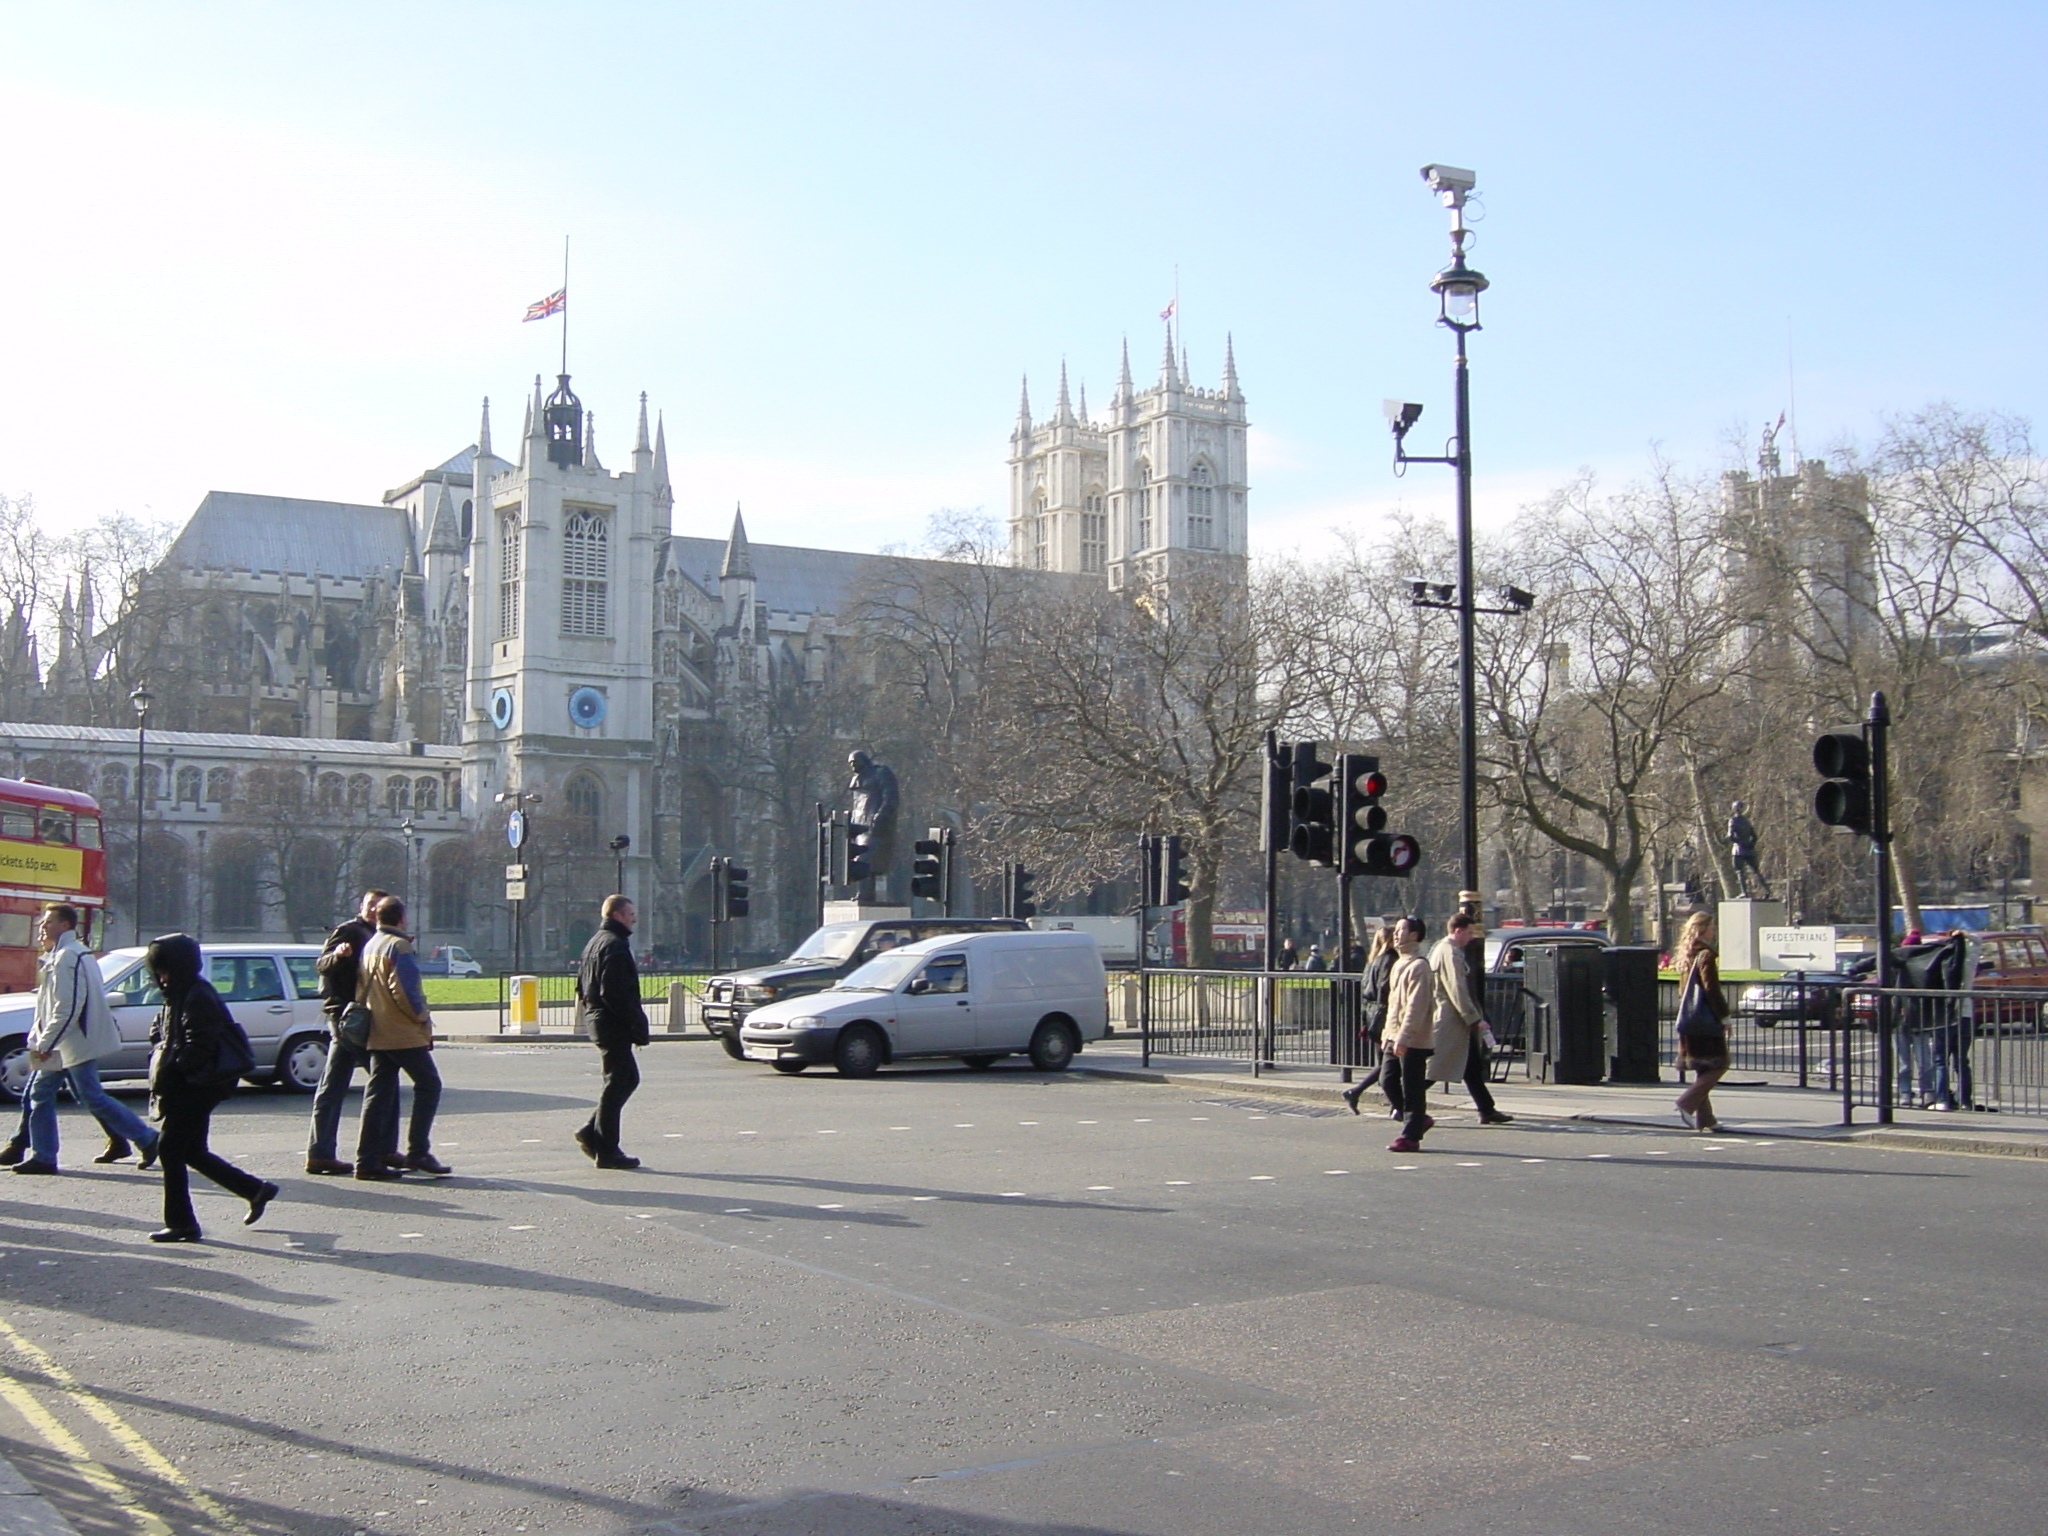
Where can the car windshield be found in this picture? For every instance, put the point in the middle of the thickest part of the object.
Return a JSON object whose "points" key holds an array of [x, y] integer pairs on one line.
{"points": [[835, 941], [884, 973]]}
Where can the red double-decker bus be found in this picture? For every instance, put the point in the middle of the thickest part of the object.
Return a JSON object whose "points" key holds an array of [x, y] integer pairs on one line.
{"points": [[50, 850]]}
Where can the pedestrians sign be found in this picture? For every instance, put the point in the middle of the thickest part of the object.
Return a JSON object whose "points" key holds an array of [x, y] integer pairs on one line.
{"points": [[515, 890], [1795, 949]]}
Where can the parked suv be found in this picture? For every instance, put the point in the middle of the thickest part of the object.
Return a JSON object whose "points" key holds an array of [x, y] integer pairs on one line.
{"points": [[271, 989], [835, 950]]}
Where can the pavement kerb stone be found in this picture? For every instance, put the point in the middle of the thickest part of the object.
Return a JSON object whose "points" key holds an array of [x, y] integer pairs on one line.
{"points": [[25, 1512]]}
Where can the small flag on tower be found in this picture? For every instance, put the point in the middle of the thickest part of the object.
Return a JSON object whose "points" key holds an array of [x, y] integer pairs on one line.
{"points": [[1167, 313], [553, 304]]}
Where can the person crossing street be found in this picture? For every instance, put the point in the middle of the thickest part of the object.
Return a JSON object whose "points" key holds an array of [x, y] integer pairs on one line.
{"points": [[608, 1006]]}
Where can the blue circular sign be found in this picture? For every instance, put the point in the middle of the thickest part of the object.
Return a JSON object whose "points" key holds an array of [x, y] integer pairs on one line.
{"points": [[586, 708], [515, 829]]}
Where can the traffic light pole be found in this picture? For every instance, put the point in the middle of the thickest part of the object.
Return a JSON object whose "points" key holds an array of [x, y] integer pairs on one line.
{"points": [[1148, 864], [1877, 732]]}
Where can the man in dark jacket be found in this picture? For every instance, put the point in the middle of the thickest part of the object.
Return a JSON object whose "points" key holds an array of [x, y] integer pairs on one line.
{"points": [[339, 965], [608, 1007]]}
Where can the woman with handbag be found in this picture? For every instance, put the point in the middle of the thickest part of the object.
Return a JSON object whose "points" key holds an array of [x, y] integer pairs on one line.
{"points": [[1379, 972], [1702, 1021], [201, 1053]]}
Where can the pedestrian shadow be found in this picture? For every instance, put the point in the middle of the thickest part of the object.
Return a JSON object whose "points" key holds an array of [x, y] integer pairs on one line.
{"points": [[323, 1249], [642, 1197], [906, 1191]]}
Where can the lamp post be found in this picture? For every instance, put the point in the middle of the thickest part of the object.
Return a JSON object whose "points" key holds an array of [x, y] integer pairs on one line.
{"points": [[406, 827], [618, 846], [141, 698], [518, 832]]}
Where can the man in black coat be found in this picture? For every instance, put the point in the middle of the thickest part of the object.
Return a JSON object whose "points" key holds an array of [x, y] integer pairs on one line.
{"points": [[608, 1008], [339, 965]]}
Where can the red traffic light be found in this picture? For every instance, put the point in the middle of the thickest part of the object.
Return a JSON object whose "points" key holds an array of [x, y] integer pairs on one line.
{"points": [[1373, 784]]}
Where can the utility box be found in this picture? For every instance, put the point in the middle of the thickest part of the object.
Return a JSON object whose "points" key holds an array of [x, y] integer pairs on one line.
{"points": [[525, 1005], [1629, 983], [1566, 1003]]}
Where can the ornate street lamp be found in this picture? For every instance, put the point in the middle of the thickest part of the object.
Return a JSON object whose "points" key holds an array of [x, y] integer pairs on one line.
{"points": [[141, 698]]}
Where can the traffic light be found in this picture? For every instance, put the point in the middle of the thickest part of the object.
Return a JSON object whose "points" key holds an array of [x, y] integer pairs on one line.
{"points": [[1276, 809], [1360, 816], [860, 842], [1314, 813], [1019, 886], [729, 895], [1843, 760], [1170, 878], [836, 853], [931, 866]]}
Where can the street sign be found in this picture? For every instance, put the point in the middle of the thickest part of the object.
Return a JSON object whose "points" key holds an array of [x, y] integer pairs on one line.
{"points": [[515, 871], [1795, 949], [515, 829], [515, 890]]}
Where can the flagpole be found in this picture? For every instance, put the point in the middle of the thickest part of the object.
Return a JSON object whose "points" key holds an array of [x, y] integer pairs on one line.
{"points": [[565, 305]]}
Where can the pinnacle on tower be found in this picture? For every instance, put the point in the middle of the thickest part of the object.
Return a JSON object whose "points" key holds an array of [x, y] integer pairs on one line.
{"points": [[1123, 377], [739, 555], [1230, 389], [1024, 408], [1166, 370], [1084, 401], [1063, 414], [661, 485], [640, 436], [483, 434]]}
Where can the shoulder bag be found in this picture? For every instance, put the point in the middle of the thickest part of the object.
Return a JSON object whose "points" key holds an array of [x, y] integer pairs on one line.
{"points": [[1696, 1015]]}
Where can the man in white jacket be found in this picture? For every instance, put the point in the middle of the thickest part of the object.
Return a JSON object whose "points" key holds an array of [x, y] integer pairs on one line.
{"points": [[1462, 1034], [74, 1028]]}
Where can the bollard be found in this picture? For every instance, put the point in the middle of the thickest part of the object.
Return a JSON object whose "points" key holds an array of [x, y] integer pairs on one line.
{"points": [[678, 1007], [525, 1005]]}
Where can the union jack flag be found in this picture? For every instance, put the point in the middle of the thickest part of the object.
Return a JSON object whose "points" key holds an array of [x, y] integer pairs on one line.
{"points": [[1172, 304], [553, 304]]}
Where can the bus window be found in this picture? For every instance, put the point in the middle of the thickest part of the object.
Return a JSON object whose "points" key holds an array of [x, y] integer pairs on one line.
{"points": [[56, 827], [88, 832], [18, 824], [18, 930]]}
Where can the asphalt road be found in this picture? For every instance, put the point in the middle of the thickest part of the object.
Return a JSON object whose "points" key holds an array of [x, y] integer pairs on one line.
{"points": [[999, 1303]]}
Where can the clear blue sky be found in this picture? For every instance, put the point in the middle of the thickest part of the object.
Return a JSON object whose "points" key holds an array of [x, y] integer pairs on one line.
{"points": [[286, 247]]}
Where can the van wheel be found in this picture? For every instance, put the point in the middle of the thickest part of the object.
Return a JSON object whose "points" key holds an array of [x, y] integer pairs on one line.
{"points": [[733, 1048], [979, 1063], [14, 1067], [1053, 1045], [301, 1062], [860, 1051], [789, 1068]]}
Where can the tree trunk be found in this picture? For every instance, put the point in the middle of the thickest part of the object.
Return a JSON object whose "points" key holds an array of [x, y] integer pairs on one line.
{"points": [[1906, 895]]}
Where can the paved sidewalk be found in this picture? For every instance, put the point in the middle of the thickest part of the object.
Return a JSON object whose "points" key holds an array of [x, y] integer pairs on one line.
{"points": [[1755, 1110], [24, 1512]]}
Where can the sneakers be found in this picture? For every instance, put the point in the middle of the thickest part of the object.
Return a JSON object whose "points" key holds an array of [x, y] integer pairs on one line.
{"points": [[426, 1162], [329, 1165], [1404, 1144], [117, 1150]]}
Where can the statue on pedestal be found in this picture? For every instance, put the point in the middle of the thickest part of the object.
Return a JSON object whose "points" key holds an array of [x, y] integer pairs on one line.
{"points": [[874, 805], [1742, 852]]}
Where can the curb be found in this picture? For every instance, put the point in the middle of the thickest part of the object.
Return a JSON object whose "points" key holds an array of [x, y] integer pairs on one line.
{"points": [[25, 1512]]}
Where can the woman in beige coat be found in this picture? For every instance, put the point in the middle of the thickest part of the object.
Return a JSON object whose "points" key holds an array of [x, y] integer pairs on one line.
{"points": [[1410, 1033]]}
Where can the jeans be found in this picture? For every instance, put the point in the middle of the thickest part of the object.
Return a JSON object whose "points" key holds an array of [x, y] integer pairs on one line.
{"points": [[188, 1116], [336, 1077], [39, 1109], [379, 1135], [621, 1077], [1922, 1056]]}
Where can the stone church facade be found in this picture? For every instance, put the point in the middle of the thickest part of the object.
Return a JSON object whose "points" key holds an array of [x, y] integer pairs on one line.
{"points": [[354, 694]]}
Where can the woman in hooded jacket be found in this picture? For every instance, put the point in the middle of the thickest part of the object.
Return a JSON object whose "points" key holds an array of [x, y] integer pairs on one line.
{"points": [[187, 1081]]}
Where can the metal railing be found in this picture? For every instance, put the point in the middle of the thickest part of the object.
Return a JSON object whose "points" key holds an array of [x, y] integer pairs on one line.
{"points": [[659, 992]]}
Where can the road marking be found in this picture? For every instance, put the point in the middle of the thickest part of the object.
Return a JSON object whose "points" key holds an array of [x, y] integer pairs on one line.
{"points": [[672, 1135], [1468, 1165], [1198, 1117], [519, 1229], [1180, 1181], [964, 1125], [1087, 1122], [1535, 1159], [529, 1141], [1142, 1120], [1013, 1194], [899, 1127], [1406, 1167], [1027, 1122], [1333, 1172], [412, 1234], [1594, 1157], [828, 1133], [129, 1438], [924, 1197], [1101, 1188], [1260, 1178], [738, 1210]]}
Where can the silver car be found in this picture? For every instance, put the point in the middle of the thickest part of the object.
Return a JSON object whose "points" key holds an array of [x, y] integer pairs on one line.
{"points": [[271, 989]]}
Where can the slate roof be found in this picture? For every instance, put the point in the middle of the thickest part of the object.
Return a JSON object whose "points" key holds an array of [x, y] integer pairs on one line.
{"points": [[233, 531], [786, 578], [25, 736]]}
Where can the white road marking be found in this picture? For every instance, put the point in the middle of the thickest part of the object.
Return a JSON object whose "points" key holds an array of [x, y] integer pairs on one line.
{"points": [[1013, 1194], [1180, 1181], [1468, 1165], [831, 1207], [1260, 1178], [924, 1197], [1333, 1172], [737, 1210], [412, 1234], [519, 1229], [1406, 1167], [1101, 1188]]}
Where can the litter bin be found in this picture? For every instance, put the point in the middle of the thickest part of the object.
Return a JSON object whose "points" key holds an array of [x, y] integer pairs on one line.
{"points": [[525, 1005], [1631, 1014], [1566, 1012]]}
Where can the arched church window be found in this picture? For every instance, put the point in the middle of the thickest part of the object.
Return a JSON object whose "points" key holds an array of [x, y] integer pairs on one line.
{"points": [[509, 563], [1202, 508], [468, 519], [398, 793], [220, 785], [1142, 502], [359, 791], [586, 566], [584, 796], [426, 794], [330, 790], [1094, 531], [113, 783], [189, 780]]}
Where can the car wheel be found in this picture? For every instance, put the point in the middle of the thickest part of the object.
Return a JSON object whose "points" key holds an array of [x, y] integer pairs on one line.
{"points": [[301, 1062], [789, 1068], [14, 1067], [733, 1048], [1053, 1045], [860, 1051], [979, 1063]]}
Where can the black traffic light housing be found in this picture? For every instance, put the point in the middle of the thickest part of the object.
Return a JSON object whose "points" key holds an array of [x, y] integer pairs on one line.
{"points": [[931, 867], [1368, 848], [1842, 759], [1170, 884], [729, 897], [1276, 802], [1019, 887], [1313, 835], [860, 842]]}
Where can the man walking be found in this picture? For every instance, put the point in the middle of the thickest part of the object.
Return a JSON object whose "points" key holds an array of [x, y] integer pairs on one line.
{"points": [[608, 1006], [339, 965], [73, 1029], [401, 1040], [1409, 1034], [1460, 1053]]}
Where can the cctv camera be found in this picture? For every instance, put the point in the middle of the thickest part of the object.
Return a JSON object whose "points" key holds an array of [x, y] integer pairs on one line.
{"points": [[1448, 178], [1402, 413]]}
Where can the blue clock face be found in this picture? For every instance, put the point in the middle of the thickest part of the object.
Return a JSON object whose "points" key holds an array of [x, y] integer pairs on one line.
{"points": [[501, 708], [586, 708]]}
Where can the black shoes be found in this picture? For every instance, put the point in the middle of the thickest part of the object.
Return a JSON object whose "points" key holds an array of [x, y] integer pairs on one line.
{"points": [[1351, 1095], [617, 1160], [1496, 1117], [176, 1235], [117, 1150], [258, 1203], [149, 1155], [35, 1165], [593, 1149], [13, 1152], [329, 1166], [426, 1162], [377, 1173]]}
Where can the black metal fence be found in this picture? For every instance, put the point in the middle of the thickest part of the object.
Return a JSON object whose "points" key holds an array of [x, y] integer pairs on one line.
{"points": [[673, 1000]]}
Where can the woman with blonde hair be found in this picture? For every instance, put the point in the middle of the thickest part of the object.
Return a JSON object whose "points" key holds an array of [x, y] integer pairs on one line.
{"points": [[1379, 970], [1702, 1021]]}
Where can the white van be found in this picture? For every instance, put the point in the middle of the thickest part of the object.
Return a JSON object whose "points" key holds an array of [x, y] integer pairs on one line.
{"points": [[977, 996]]}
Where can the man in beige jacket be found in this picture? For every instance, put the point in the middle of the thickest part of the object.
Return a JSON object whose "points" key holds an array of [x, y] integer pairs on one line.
{"points": [[1461, 1031], [1410, 1031], [401, 1040]]}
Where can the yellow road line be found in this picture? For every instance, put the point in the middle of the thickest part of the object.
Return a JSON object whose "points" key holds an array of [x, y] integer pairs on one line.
{"points": [[73, 1450], [129, 1438]]}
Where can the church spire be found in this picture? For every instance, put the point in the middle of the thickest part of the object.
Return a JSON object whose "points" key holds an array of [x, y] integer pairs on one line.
{"points": [[1024, 408], [483, 435], [660, 454], [1063, 414], [1230, 389], [1167, 376], [640, 436], [531, 433], [1123, 377], [1084, 400], [739, 555]]}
